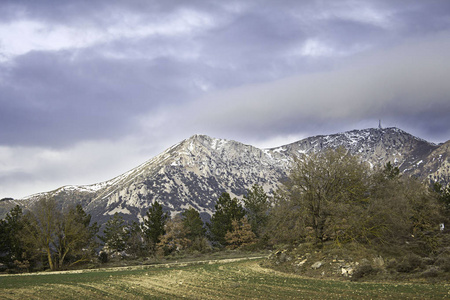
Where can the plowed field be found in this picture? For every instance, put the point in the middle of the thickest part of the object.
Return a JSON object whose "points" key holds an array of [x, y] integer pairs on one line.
{"points": [[226, 279]]}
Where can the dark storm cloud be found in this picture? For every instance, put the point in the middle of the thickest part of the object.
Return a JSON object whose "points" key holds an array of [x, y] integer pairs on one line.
{"points": [[51, 98], [83, 77]]}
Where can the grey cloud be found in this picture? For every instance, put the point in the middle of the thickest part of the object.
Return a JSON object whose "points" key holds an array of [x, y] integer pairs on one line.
{"points": [[407, 87], [94, 12], [243, 74], [48, 98]]}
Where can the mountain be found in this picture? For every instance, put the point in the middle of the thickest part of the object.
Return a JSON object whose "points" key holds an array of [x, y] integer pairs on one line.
{"points": [[197, 170]]}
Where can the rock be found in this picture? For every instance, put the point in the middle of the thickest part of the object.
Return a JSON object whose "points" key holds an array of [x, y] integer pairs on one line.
{"points": [[378, 262], [317, 265], [300, 263], [347, 271]]}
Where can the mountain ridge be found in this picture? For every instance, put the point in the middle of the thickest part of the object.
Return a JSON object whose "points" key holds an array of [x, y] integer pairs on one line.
{"points": [[195, 171]]}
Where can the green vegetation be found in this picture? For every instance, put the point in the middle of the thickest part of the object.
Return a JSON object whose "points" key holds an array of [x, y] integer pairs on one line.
{"points": [[377, 222], [214, 280], [115, 235], [225, 211], [153, 226], [47, 235], [334, 217]]}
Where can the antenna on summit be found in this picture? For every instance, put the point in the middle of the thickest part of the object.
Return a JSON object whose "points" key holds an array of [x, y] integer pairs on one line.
{"points": [[379, 124]]}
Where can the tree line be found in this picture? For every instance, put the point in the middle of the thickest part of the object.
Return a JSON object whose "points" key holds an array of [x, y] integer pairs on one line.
{"points": [[47, 237], [330, 196]]}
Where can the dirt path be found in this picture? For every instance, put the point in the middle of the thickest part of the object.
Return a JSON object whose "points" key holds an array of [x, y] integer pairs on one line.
{"points": [[141, 267]]}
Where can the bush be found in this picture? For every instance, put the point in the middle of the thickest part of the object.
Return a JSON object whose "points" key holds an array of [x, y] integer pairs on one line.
{"points": [[443, 263], [410, 263], [430, 273], [201, 245], [103, 257], [363, 271]]}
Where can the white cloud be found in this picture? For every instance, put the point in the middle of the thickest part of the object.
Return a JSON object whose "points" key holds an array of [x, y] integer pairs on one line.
{"points": [[22, 36], [29, 170], [316, 48]]}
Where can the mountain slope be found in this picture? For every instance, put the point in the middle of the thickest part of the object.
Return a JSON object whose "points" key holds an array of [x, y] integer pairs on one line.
{"points": [[377, 146], [197, 170]]}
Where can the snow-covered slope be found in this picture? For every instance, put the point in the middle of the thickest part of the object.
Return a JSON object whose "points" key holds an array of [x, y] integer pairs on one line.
{"points": [[192, 173], [377, 146], [197, 170]]}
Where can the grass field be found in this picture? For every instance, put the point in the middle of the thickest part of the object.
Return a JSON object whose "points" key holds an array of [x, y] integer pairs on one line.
{"points": [[227, 279]]}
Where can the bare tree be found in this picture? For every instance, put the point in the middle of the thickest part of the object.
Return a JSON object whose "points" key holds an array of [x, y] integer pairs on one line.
{"points": [[49, 231], [327, 187]]}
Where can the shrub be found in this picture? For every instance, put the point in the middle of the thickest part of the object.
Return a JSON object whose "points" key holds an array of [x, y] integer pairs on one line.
{"points": [[103, 257], [443, 262], [410, 263], [430, 273], [363, 271]]}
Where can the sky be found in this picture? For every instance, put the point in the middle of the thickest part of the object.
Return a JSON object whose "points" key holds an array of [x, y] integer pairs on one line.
{"points": [[92, 88]]}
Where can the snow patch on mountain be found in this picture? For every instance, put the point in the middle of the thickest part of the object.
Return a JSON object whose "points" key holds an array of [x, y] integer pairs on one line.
{"points": [[196, 171]]}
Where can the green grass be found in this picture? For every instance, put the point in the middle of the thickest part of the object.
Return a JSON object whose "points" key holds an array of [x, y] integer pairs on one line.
{"points": [[232, 280]]}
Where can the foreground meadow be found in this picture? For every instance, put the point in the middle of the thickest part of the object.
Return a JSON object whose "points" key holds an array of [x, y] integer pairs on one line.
{"points": [[224, 279]]}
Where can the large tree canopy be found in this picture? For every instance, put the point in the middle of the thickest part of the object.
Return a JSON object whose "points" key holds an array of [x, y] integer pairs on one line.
{"points": [[333, 195], [327, 186]]}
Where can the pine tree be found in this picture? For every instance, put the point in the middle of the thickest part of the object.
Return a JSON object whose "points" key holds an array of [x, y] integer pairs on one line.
{"points": [[10, 228], [116, 234], [193, 224], [136, 242], [226, 210], [153, 226], [257, 205]]}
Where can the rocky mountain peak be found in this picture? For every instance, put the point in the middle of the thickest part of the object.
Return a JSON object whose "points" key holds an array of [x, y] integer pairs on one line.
{"points": [[194, 172]]}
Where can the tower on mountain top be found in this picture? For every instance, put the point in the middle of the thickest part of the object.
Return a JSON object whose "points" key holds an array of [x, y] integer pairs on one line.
{"points": [[379, 124]]}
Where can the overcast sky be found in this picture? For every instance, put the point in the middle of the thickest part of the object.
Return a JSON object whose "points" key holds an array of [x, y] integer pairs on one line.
{"points": [[91, 88]]}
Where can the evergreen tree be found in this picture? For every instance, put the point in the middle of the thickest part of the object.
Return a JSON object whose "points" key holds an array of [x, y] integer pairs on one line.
{"points": [[193, 224], [256, 203], [11, 246], [116, 234], [226, 210], [390, 172], [136, 242], [153, 226]]}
